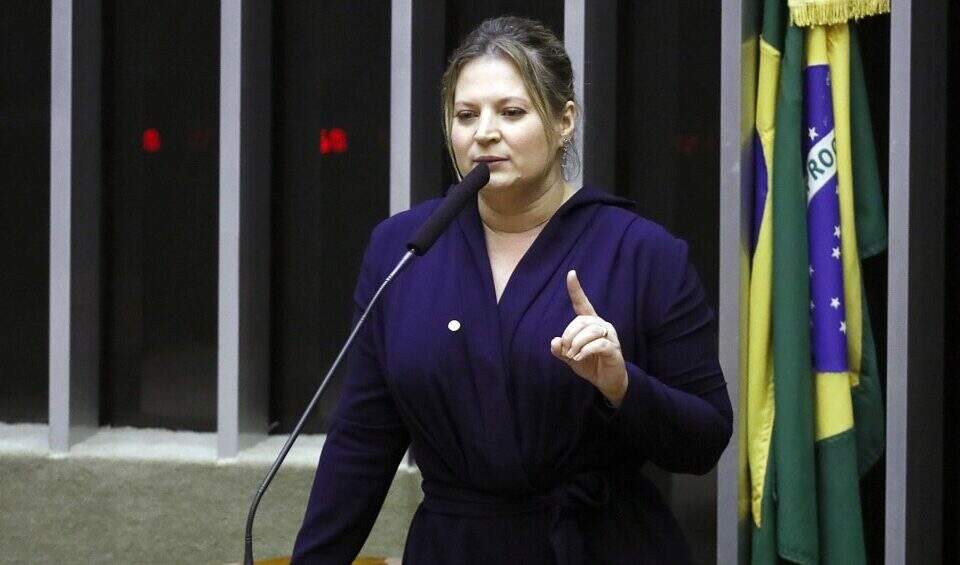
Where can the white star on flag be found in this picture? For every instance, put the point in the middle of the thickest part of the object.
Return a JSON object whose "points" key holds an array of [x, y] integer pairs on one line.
{"points": [[843, 326], [812, 133], [835, 302], [811, 270], [836, 231], [836, 253], [811, 305]]}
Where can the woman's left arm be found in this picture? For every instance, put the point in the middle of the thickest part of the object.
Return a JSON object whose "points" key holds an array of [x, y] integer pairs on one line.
{"points": [[675, 411]]}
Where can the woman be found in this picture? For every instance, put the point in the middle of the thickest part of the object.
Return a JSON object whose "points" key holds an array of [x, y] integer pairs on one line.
{"points": [[550, 343]]}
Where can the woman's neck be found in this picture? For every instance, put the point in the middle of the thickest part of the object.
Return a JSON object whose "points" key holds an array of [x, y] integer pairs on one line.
{"points": [[513, 212]]}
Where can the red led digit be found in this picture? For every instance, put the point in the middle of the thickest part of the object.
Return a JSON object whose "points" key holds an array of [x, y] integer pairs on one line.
{"points": [[332, 141], [151, 140], [324, 142], [338, 140]]}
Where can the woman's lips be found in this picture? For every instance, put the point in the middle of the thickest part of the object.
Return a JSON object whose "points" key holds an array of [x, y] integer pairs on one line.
{"points": [[490, 161]]}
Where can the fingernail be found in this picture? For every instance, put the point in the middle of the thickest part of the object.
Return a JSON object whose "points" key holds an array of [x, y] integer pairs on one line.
{"points": [[578, 357]]}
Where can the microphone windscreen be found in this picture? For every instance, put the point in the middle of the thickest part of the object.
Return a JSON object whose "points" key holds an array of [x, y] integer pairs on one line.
{"points": [[456, 199]]}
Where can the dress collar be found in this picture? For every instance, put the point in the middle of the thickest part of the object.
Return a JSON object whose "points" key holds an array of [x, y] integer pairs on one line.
{"points": [[539, 264]]}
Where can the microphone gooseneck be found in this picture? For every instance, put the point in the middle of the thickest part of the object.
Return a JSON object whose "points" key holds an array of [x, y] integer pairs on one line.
{"points": [[425, 237], [248, 535], [455, 201]]}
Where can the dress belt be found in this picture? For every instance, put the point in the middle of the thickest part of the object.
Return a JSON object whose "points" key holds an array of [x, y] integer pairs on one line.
{"points": [[580, 492]]}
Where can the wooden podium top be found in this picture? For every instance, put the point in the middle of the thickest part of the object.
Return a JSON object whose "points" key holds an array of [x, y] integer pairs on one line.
{"points": [[359, 561]]}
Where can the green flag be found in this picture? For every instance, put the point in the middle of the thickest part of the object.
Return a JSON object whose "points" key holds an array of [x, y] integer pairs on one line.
{"points": [[814, 413]]}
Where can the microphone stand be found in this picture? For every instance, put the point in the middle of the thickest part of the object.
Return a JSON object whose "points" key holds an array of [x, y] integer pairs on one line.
{"points": [[248, 535]]}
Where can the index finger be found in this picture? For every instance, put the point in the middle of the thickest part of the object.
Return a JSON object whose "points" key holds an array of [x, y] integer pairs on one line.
{"points": [[581, 304]]}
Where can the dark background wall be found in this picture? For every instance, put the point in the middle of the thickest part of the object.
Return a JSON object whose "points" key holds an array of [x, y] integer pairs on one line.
{"points": [[951, 345], [668, 105], [161, 131], [24, 209], [874, 35], [332, 72]]}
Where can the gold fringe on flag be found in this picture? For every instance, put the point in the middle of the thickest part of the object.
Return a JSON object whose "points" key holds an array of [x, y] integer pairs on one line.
{"points": [[828, 12]]}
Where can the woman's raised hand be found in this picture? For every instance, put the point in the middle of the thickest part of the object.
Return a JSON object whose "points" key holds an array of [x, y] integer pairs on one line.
{"points": [[590, 346]]}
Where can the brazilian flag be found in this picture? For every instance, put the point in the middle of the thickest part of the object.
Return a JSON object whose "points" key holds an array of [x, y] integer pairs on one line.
{"points": [[813, 410]]}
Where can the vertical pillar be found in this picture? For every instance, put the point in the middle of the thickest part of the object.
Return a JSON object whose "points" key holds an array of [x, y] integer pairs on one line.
{"points": [[574, 39], [243, 351], [915, 282], [401, 107], [738, 79], [75, 204]]}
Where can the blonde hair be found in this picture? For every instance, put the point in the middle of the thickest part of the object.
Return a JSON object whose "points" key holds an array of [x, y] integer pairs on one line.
{"points": [[540, 60]]}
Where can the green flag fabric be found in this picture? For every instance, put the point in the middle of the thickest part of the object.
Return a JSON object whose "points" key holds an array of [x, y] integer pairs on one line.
{"points": [[814, 411]]}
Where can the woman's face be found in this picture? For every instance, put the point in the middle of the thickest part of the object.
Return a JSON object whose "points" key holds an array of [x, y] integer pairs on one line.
{"points": [[495, 121]]}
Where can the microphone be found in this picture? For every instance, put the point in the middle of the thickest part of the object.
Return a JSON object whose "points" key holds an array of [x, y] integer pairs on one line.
{"points": [[456, 199]]}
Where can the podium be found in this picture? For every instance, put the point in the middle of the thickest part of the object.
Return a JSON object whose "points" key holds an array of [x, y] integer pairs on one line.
{"points": [[358, 561]]}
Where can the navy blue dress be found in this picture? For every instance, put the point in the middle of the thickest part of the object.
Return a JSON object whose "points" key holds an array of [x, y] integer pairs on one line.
{"points": [[522, 460]]}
